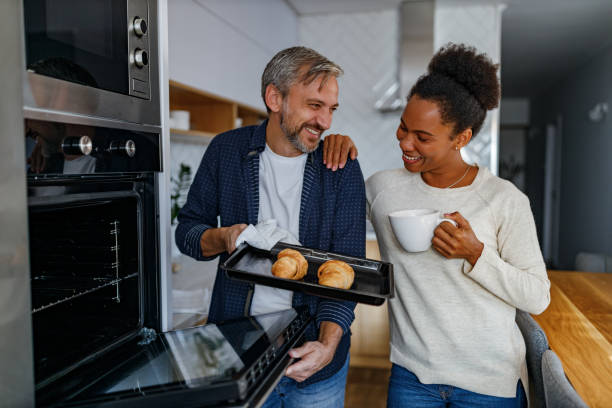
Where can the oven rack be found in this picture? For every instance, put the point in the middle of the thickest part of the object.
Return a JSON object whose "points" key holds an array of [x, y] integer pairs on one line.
{"points": [[102, 232], [63, 294]]}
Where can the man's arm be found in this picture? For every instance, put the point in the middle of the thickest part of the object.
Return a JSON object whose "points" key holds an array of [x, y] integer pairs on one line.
{"points": [[334, 318], [199, 214]]}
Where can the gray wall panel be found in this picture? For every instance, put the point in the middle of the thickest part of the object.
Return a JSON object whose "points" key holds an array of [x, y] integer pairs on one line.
{"points": [[586, 195]]}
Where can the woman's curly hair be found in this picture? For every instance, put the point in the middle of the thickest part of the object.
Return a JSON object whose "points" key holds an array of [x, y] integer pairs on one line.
{"points": [[463, 83]]}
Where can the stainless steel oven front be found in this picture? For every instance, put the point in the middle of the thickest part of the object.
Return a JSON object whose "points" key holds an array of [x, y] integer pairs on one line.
{"points": [[97, 58]]}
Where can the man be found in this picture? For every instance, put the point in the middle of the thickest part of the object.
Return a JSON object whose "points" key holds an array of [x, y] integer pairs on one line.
{"points": [[277, 170]]}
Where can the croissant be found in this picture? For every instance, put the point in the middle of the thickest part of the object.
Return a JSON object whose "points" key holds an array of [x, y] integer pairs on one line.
{"points": [[290, 264], [337, 274]]}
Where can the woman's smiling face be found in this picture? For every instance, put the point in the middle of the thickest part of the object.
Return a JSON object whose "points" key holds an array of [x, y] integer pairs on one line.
{"points": [[424, 139]]}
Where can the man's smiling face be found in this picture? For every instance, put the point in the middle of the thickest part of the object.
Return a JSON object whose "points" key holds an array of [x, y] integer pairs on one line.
{"points": [[307, 112]]}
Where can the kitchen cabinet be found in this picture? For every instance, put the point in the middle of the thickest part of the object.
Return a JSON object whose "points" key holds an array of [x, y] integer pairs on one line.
{"points": [[370, 339], [209, 114]]}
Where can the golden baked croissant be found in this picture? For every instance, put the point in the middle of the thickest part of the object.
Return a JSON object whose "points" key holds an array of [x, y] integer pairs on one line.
{"points": [[290, 264], [337, 274]]}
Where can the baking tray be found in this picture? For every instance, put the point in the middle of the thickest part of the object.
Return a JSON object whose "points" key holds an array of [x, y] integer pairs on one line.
{"points": [[373, 282]]}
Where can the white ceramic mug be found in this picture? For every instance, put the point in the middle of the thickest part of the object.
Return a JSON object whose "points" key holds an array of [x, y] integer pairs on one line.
{"points": [[414, 229]]}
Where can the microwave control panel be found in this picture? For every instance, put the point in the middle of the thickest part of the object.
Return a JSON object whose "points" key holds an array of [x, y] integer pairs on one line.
{"points": [[138, 47]]}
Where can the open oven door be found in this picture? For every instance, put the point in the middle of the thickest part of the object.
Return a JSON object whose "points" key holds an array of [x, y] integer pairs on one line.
{"points": [[231, 364]]}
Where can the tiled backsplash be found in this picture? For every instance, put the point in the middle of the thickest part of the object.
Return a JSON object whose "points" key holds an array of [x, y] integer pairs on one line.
{"points": [[479, 25], [366, 47]]}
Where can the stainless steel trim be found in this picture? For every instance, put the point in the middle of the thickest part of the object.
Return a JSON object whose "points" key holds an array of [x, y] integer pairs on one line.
{"points": [[16, 359], [79, 119], [45, 93]]}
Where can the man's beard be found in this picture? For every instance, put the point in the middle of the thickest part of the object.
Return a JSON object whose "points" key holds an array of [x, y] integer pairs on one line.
{"points": [[293, 135]]}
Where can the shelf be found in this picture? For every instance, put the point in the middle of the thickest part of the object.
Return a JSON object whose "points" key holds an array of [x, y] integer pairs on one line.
{"points": [[191, 136], [209, 114]]}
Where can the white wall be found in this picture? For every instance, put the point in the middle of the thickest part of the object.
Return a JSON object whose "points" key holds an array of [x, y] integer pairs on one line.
{"points": [[223, 46], [366, 46]]}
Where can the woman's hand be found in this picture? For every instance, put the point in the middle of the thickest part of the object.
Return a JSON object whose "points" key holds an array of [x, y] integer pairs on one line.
{"points": [[459, 241], [336, 150]]}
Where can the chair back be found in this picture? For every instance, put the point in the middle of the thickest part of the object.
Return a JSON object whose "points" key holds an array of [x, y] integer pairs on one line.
{"points": [[536, 343], [558, 391]]}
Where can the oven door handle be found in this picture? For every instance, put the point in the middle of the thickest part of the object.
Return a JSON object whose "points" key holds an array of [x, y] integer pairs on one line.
{"points": [[268, 386]]}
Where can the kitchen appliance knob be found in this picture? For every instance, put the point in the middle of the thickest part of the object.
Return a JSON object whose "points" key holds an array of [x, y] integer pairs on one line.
{"points": [[127, 147], [77, 145], [140, 26], [141, 58]]}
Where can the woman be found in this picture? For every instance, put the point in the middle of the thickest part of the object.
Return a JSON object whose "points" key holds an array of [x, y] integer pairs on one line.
{"points": [[454, 341]]}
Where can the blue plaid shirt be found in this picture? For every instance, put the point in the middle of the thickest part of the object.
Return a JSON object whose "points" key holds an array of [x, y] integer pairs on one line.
{"points": [[332, 218]]}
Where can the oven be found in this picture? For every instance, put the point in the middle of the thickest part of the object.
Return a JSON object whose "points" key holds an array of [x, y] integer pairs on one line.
{"points": [[92, 219], [96, 57], [95, 284]]}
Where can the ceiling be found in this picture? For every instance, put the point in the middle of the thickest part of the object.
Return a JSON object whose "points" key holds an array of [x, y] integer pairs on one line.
{"points": [[308, 7], [542, 40]]}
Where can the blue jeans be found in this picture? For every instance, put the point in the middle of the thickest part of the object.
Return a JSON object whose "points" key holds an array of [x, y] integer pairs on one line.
{"points": [[322, 394], [405, 390]]}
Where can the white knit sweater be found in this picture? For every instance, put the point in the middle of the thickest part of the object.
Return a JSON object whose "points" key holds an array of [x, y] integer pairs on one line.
{"points": [[451, 323]]}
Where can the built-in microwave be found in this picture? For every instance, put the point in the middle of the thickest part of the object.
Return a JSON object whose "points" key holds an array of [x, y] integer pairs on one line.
{"points": [[97, 58]]}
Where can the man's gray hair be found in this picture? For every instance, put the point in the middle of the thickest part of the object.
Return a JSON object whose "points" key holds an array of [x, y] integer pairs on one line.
{"points": [[296, 64]]}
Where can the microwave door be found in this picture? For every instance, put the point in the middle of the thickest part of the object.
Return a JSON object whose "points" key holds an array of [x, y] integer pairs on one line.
{"points": [[231, 364]]}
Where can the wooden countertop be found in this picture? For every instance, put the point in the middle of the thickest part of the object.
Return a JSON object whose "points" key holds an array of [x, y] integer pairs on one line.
{"points": [[578, 324]]}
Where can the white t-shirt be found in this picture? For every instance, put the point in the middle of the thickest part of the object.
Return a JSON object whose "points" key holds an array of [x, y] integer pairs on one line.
{"points": [[280, 195]]}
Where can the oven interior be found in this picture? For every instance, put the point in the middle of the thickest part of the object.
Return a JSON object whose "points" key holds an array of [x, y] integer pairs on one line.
{"points": [[85, 277]]}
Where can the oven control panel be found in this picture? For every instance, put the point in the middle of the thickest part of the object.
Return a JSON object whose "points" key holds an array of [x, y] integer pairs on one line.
{"points": [[54, 148]]}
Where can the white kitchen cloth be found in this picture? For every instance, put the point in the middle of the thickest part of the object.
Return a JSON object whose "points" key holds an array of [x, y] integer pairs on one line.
{"points": [[265, 235]]}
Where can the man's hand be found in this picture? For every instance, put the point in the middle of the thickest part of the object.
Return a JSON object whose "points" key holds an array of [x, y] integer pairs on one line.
{"points": [[459, 241], [315, 354], [336, 150], [217, 240]]}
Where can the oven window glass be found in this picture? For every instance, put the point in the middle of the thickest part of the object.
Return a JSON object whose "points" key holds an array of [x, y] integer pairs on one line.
{"points": [[79, 41], [220, 356], [85, 278]]}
